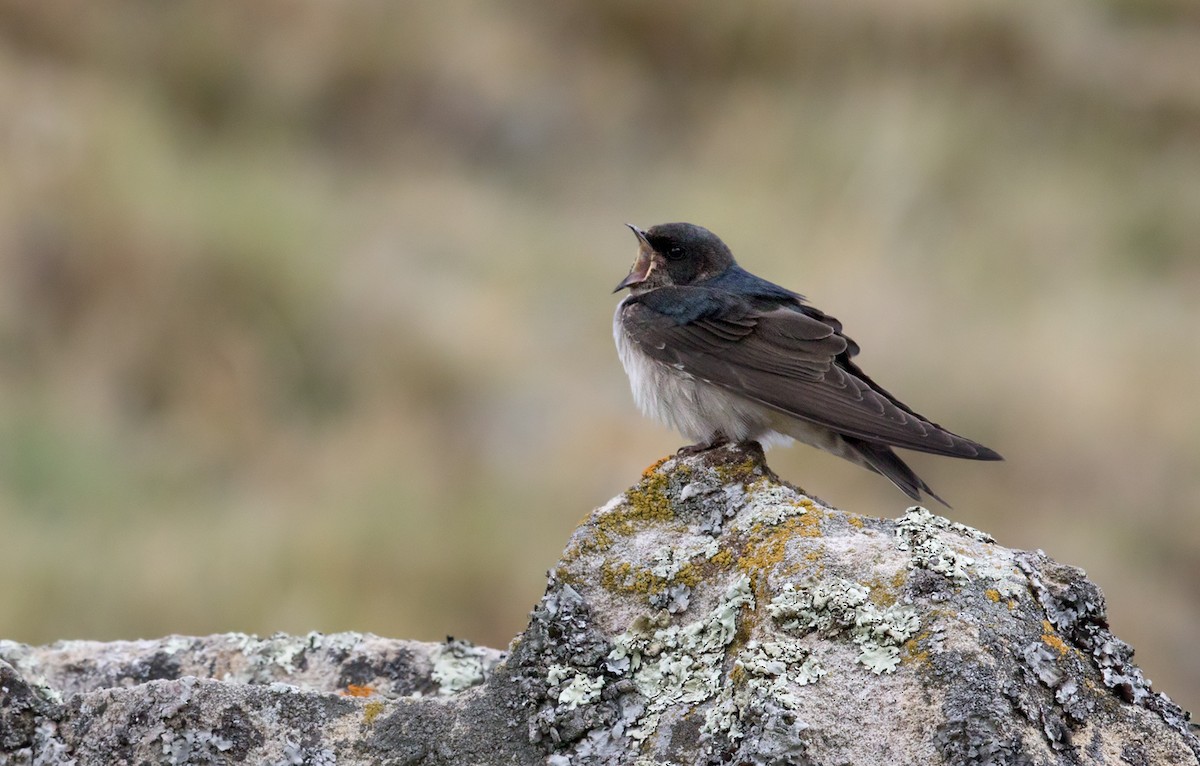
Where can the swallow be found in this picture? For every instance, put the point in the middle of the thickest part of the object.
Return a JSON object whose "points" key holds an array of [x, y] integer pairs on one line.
{"points": [[722, 355]]}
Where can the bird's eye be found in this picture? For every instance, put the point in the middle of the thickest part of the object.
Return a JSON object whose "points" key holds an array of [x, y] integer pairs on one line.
{"points": [[675, 253]]}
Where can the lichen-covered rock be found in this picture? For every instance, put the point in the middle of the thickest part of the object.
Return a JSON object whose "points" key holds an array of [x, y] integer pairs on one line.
{"points": [[229, 699], [712, 614], [809, 635]]}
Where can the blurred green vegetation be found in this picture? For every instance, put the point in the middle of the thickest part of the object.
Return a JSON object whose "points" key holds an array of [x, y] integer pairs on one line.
{"points": [[305, 311]]}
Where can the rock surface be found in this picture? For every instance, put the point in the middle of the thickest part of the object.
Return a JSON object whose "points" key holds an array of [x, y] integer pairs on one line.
{"points": [[710, 614]]}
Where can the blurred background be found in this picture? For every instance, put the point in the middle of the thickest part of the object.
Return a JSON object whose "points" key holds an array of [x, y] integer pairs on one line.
{"points": [[305, 311]]}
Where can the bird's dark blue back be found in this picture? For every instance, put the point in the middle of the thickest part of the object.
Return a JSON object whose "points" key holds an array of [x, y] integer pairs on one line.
{"points": [[734, 287]]}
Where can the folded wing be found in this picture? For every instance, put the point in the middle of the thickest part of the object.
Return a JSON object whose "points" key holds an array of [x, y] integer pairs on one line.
{"points": [[792, 358]]}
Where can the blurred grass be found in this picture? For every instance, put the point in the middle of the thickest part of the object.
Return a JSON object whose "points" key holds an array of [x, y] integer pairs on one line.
{"points": [[304, 311]]}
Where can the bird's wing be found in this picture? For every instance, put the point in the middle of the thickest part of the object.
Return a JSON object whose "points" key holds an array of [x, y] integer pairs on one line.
{"points": [[791, 358]]}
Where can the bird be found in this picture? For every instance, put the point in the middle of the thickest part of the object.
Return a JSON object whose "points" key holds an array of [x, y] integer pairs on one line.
{"points": [[722, 356]]}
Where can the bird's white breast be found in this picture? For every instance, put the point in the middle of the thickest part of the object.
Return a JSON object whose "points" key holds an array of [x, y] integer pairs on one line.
{"points": [[696, 408]]}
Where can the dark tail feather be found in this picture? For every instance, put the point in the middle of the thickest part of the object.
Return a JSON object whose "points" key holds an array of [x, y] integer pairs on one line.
{"points": [[881, 459]]}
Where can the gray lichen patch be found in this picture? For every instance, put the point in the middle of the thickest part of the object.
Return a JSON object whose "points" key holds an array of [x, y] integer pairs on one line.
{"points": [[1074, 617]]}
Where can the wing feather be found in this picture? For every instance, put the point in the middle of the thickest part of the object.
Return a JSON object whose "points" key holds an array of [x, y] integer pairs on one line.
{"points": [[791, 358]]}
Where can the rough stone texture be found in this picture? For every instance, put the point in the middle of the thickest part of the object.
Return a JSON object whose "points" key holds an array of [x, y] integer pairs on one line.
{"points": [[712, 614]]}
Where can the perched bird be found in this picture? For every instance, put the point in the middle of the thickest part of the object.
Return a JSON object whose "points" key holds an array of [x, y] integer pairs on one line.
{"points": [[724, 356]]}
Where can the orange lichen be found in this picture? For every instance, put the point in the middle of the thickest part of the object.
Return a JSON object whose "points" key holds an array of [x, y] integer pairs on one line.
{"points": [[855, 521], [650, 469], [992, 595], [355, 690], [764, 552], [808, 524], [1051, 640], [1054, 642], [598, 540], [767, 544], [688, 574]]}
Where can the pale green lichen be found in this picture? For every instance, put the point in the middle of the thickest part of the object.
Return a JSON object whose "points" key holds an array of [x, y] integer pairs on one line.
{"points": [[770, 505], [676, 571], [666, 586], [335, 642], [838, 607], [917, 532], [771, 658], [582, 690], [556, 674], [1008, 581], [459, 665], [672, 664], [20, 656], [667, 583], [670, 560], [278, 652], [758, 704], [773, 666], [916, 516], [880, 659]]}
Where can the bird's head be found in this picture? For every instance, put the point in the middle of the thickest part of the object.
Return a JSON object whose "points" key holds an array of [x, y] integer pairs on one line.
{"points": [[675, 254]]}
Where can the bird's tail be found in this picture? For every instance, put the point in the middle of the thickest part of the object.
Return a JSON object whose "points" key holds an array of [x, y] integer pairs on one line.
{"points": [[881, 459]]}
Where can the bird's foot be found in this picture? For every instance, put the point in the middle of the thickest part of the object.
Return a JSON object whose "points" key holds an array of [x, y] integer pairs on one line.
{"points": [[695, 449]]}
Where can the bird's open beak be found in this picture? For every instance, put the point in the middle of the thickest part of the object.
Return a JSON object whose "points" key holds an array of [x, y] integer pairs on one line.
{"points": [[643, 264]]}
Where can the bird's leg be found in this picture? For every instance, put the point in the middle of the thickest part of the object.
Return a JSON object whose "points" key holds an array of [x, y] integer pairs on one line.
{"points": [[716, 440]]}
